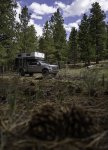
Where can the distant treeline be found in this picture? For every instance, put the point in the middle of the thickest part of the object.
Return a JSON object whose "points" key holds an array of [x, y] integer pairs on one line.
{"points": [[88, 43]]}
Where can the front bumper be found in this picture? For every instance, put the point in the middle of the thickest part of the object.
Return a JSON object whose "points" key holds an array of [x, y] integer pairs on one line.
{"points": [[51, 71]]}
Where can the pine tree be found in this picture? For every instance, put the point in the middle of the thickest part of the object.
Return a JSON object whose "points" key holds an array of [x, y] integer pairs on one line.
{"points": [[18, 36], [26, 36], [59, 33], [97, 29], [73, 54], [7, 19], [7, 30], [48, 42], [32, 40], [84, 40], [41, 44], [107, 35], [106, 47], [24, 18]]}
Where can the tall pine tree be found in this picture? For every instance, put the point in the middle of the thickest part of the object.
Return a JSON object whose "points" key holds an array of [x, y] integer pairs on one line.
{"points": [[32, 39], [24, 18], [84, 40], [106, 47], [48, 42], [59, 34], [73, 53], [97, 30], [7, 30]]}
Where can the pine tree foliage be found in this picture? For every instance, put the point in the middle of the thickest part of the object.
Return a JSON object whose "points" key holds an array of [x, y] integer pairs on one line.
{"points": [[59, 33], [32, 40], [7, 18], [73, 47], [41, 44], [84, 40], [97, 29], [24, 18], [7, 29], [48, 40], [104, 54], [107, 35], [27, 38]]}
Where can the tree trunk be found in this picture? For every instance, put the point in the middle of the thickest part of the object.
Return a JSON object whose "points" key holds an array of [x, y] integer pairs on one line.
{"points": [[97, 51], [97, 60], [88, 62]]}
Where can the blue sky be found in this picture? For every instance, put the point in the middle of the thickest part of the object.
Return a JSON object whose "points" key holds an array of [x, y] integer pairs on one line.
{"points": [[72, 11]]}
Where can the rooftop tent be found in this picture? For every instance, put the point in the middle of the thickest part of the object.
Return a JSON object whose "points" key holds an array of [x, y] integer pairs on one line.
{"points": [[38, 55]]}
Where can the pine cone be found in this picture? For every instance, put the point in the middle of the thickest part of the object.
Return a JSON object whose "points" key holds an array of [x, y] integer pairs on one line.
{"points": [[45, 124], [80, 123], [54, 123]]}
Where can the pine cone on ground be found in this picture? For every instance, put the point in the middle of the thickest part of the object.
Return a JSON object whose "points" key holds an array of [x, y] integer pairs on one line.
{"points": [[79, 123], [45, 124], [52, 123]]}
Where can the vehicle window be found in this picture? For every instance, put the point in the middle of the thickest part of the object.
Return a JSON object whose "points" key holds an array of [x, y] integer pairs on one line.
{"points": [[33, 63], [42, 61]]}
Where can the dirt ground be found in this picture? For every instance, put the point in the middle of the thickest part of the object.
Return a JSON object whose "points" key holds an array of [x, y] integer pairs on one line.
{"points": [[60, 113]]}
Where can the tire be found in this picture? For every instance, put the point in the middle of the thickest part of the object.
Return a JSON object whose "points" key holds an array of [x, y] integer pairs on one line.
{"points": [[30, 74], [45, 72], [22, 73]]}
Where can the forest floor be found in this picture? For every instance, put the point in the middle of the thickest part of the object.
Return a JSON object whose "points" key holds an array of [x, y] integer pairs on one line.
{"points": [[68, 112]]}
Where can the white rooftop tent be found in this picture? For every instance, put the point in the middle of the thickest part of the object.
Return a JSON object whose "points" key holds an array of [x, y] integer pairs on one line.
{"points": [[37, 55]]}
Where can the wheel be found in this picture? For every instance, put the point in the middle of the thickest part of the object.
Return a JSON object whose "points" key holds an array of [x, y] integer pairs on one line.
{"points": [[22, 73], [30, 74], [45, 72]]}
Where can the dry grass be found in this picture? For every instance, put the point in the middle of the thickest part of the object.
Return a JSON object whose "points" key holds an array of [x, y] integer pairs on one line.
{"points": [[24, 97]]}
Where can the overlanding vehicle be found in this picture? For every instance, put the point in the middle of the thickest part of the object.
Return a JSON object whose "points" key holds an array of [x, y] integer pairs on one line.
{"points": [[30, 63]]}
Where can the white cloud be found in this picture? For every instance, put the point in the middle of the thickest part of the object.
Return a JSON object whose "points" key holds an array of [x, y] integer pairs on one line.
{"points": [[103, 4], [38, 28], [60, 4], [79, 7], [76, 8], [69, 26], [34, 16], [18, 11], [41, 9]]}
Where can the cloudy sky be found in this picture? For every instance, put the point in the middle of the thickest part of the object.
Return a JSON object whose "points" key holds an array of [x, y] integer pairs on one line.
{"points": [[72, 11]]}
